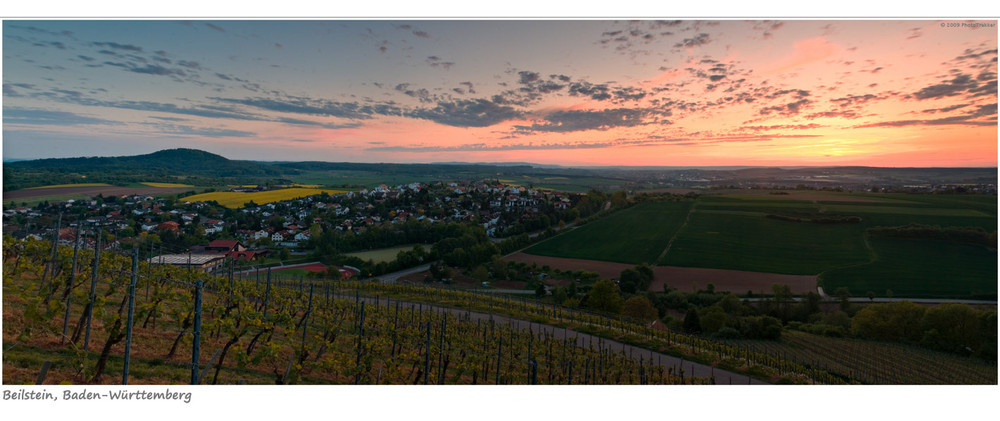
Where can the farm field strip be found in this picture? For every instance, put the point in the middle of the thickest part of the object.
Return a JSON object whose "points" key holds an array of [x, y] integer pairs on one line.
{"points": [[36, 195], [810, 197], [903, 210], [686, 279], [56, 186], [235, 200], [731, 212], [169, 185]]}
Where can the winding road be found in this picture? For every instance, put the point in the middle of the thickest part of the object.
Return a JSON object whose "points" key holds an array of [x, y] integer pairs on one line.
{"points": [[722, 377]]}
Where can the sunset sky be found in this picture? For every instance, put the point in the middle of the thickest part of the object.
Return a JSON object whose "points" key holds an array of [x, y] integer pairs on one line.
{"points": [[568, 92]]}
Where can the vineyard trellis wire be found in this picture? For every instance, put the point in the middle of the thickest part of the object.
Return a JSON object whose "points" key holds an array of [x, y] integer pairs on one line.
{"points": [[281, 310], [272, 323]]}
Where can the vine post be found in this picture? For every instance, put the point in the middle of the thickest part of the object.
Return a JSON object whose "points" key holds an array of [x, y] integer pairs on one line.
{"points": [[199, 285], [69, 283], [93, 288], [131, 314]]}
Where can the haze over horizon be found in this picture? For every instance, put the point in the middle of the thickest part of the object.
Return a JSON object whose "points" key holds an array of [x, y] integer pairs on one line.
{"points": [[888, 93]]}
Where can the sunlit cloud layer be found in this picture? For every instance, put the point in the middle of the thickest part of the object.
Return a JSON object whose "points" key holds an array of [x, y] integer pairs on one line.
{"points": [[682, 92]]}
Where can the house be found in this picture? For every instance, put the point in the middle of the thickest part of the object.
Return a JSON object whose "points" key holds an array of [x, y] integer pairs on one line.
{"points": [[169, 225], [224, 246], [247, 254]]}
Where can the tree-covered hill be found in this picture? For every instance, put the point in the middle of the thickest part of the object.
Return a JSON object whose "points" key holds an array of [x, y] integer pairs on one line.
{"points": [[157, 166]]}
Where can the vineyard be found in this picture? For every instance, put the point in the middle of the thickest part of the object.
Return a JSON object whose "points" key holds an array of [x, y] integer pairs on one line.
{"points": [[144, 319], [163, 325], [875, 362]]}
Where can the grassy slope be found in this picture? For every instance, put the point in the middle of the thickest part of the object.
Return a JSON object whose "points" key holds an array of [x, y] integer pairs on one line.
{"points": [[646, 229]]}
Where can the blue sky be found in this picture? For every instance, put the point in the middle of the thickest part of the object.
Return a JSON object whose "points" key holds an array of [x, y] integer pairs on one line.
{"points": [[593, 92]]}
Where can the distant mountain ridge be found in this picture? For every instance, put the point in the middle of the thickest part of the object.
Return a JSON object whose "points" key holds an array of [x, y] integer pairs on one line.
{"points": [[197, 167], [181, 160], [169, 165]]}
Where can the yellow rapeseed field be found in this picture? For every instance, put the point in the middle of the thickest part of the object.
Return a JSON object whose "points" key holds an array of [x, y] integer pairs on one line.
{"points": [[173, 185], [235, 200]]}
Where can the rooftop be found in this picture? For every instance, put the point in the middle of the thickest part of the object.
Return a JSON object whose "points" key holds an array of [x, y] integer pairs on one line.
{"points": [[182, 259]]}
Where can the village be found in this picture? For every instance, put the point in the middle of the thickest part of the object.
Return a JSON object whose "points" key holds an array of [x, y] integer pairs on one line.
{"points": [[174, 231]]}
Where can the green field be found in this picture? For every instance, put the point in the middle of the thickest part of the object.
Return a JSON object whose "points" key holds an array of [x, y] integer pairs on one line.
{"points": [[356, 178], [386, 254], [635, 235], [732, 231], [920, 268], [714, 239]]}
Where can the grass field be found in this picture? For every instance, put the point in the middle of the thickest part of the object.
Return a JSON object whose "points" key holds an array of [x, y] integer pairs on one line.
{"points": [[386, 254], [171, 185], [635, 235], [237, 200], [920, 268]]}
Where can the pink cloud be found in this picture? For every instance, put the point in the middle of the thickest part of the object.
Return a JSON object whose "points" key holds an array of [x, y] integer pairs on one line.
{"points": [[806, 52]]}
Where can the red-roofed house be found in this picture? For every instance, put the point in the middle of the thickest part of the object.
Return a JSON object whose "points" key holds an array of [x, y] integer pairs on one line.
{"points": [[169, 225], [246, 254]]}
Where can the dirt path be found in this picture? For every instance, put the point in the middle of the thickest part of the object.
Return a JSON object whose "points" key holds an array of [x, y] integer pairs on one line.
{"points": [[677, 233]]}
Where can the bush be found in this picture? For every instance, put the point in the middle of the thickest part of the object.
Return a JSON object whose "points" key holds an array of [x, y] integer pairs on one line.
{"points": [[727, 333], [834, 331]]}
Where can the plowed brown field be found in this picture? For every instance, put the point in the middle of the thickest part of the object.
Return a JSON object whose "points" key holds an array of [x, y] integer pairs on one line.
{"points": [[683, 278]]}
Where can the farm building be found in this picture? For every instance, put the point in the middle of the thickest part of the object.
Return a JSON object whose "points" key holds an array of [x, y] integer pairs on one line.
{"points": [[202, 262]]}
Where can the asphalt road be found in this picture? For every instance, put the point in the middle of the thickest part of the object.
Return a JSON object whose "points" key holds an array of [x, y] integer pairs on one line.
{"points": [[722, 377]]}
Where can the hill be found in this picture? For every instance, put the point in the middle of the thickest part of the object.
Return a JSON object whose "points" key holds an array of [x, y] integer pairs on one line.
{"points": [[165, 165]]}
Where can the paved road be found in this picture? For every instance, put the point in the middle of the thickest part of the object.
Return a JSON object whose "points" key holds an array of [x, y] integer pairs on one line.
{"points": [[722, 377], [507, 291], [390, 278], [912, 300]]}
